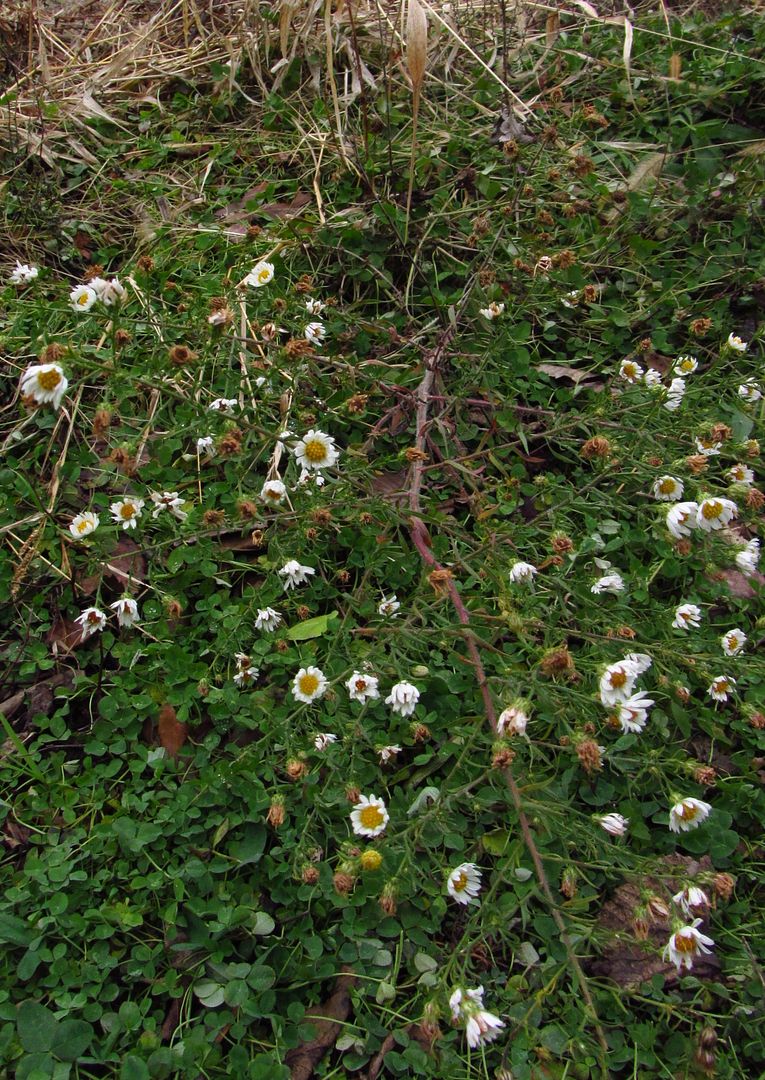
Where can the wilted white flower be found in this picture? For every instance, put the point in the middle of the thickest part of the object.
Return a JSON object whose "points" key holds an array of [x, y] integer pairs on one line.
{"points": [[685, 945], [91, 621], [675, 392], [268, 620], [126, 610], [84, 524], [682, 518], [691, 900], [750, 391], [493, 311], [747, 560], [324, 739], [309, 685], [512, 721], [261, 274], [82, 298], [23, 274], [640, 661], [206, 445], [614, 824], [571, 299], [316, 451], [481, 1026], [721, 687], [667, 489], [388, 753], [314, 307], [362, 688], [685, 365], [733, 642], [45, 383], [631, 371], [246, 672], [521, 571], [632, 714], [741, 474], [168, 500], [127, 511], [273, 492], [707, 445], [617, 682], [220, 316], [688, 814], [714, 513], [294, 574], [369, 816], [223, 405], [315, 333], [687, 616], [652, 379], [736, 343], [388, 607], [464, 883], [109, 292], [611, 582], [403, 698]]}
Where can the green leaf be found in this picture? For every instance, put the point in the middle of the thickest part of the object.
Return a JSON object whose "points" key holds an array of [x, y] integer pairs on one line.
{"points": [[261, 977], [72, 1039], [423, 962], [36, 1027], [311, 628], [496, 841], [263, 923], [251, 847], [14, 931], [133, 1068]]}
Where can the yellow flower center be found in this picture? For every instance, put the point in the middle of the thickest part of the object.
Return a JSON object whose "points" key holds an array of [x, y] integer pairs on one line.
{"points": [[83, 526], [688, 811], [721, 686], [617, 679], [667, 486], [371, 860], [127, 511], [273, 493], [371, 817], [49, 380], [686, 365], [630, 371], [712, 509], [460, 881], [361, 685], [83, 299], [264, 275], [732, 641], [315, 451], [685, 943], [308, 684]]}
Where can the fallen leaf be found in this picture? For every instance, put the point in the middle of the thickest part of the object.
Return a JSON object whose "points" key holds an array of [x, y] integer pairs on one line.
{"points": [[563, 371], [125, 564], [63, 636], [327, 1020], [172, 733]]}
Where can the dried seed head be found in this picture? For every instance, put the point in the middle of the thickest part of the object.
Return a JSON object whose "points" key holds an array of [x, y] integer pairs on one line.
{"points": [[561, 543], [311, 534], [657, 908], [302, 611], [247, 509], [282, 645], [275, 816], [295, 769], [597, 447], [94, 271], [752, 448], [502, 757], [705, 775], [568, 883], [352, 793], [365, 518], [388, 898], [723, 885], [626, 632], [682, 693], [230, 443], [557, 662], [439, 581], [701, 327], [304, 284], [173, 609], [720, 432], [203, 688], [755, 499], [145, 263], [757, 720], [640, 927], [697, 463], [53, 352], [357, 403], [342, 882], [342, 577], [298, 348], [122, 337], [321, 516], [420, 733], [684, 546], [588, 753], [102, 420], [413, 453], [310, 875], [253, 232], [213, 518]]}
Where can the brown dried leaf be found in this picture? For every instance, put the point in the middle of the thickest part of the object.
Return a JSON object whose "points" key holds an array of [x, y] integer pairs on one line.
{"points": [[124, 564], [327, 1023], [738, 584], [577, 375], [64, 636], [172, 733]]}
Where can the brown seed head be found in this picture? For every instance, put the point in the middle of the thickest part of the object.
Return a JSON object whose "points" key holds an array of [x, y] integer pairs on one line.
{"points": [[657, 908], [310, 875], [231, 443], [684, 546], [561, 543], [279, 304], [557, 662], [322, 516], [122, 337], [588, 753], [275, 816], [420, 733], [343, 883], [282, 645], [596, 447], [145, 263], [102, 420], [640, 927], [752, 448], [365, 518], [682, 693], [705, 775], [342, 577], [720, 432], [757, 720], [92, 272], [357, 403], [697, 463], [302, 611], [413, 453], [53, 352], [304, 284], [311, 534], [568, 883], [253, 232], [701, 327], [213, 518], [722, 886], [439, 581], [582, 165], [625, 632], [502, 757], [298, 348], [352, 793], [173, 609], [248, 509], [755, 499], [388, 899], [295, 769], [487, 277]]}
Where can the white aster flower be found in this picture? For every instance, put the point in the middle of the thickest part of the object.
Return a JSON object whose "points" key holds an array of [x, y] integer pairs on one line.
{"points": [[493, 311], [682, 519], [735, 342], [309, 685], [388, 607], [631, 371], [109, 292], [268, 620], [611, 582], [323, 740], [168, 500], [640, 661], [206, 445], [691, 900], [741, 474], [403, 698], [84, 524], [512, 721], [714, 513], [481, 1026], [632, 714], [733, 642], [675, 392], [685, 945], [82, 298], [652, 379], [261, 274], [316, 451], [707, 445], [294, 574], [747, 560], [315, 333], [688, 814], [614, 824], [369, 816], [617, 683], [750, 391], [521, 572], [667, 489], [273, 492], [464, 883], [314, 307], [685, 365], [127, 511], [91, 621], [687, 617], [23, 274], [388, 753], [246, 673], [126, 610], [45, 383], [363, 688], [721, 687], [223, 405]]}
